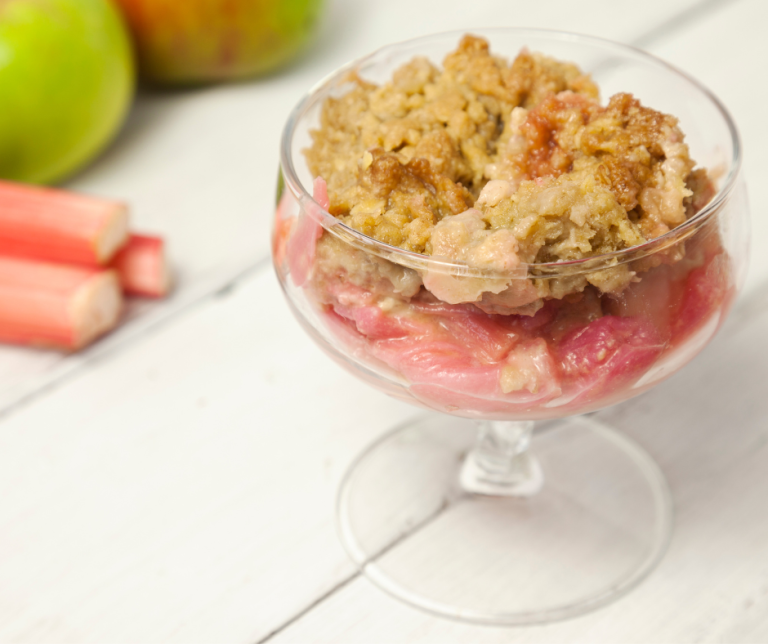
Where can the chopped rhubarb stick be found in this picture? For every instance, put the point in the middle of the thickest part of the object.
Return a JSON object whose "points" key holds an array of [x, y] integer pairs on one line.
{"points": [[56, 305], [142, 266], [59, 226]]}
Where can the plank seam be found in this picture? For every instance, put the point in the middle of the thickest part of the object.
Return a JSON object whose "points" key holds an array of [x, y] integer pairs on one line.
{"points": [[97, 353], [685, 18], [309, 607], [445, 505]]}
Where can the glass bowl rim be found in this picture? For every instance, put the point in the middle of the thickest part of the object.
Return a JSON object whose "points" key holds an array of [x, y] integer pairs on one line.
{"points": [[551, 269]]}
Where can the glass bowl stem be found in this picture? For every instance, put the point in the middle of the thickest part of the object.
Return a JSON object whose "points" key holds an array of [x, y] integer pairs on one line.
{"points": [[500, 463]]}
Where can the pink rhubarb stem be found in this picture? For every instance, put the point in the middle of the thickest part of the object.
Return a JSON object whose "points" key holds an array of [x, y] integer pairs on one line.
{"points": [[54, 305], [60, 226], [142, 266]]}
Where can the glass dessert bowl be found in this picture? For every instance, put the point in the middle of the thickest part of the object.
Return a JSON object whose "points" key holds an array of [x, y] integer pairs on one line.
{"points": [[585, 261]]}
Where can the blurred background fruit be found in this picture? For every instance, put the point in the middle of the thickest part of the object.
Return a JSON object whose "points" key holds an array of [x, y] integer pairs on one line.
{"points": [[66, 81], [197, 41]]}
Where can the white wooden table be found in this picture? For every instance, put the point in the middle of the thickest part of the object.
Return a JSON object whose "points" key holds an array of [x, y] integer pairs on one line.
{"points": [[176, 482]]}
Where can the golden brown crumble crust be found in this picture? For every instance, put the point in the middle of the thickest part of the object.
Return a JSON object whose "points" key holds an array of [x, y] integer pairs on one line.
{"points": [[526, 144]]}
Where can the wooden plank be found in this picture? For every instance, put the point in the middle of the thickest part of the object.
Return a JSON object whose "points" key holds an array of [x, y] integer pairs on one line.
{"points": [[185, 491], [728, 53], [26, 372]]}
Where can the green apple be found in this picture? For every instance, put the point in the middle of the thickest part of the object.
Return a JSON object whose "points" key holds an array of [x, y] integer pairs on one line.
{"points": [[197, 41], [66, 82]]}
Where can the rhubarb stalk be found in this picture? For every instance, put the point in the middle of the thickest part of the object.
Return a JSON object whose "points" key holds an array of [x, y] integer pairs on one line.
{"points": [[142, 266], [60, 226], [52, 305]]}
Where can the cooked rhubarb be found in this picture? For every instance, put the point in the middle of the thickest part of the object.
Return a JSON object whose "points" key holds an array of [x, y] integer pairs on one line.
{"points": [[60, 226], [53, 305], [142, 267]]}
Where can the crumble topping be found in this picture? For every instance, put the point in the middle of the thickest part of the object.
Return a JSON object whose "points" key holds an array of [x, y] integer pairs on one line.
{"points": [[497, 163]]}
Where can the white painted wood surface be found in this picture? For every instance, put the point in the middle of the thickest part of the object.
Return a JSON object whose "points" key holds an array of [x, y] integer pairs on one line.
{"points": [[177, 484]]}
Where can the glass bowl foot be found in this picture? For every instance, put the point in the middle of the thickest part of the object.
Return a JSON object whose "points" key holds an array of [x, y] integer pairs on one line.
{"points": [[597, 525]]}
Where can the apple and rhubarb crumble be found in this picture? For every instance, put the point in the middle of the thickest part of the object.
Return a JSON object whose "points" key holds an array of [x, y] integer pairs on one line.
{"points": [[500, 167]]}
